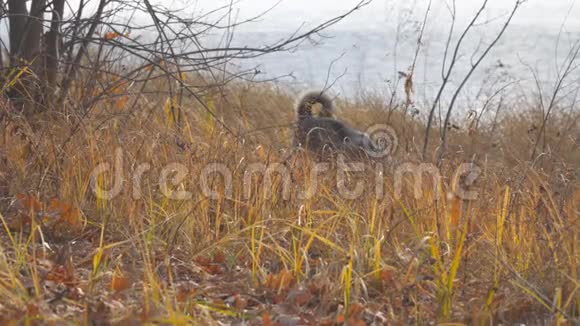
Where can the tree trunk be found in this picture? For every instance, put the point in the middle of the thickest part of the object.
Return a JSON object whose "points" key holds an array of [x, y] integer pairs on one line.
{"points": [[53, 47], [33, 32], [26, 52], [18, 14]]}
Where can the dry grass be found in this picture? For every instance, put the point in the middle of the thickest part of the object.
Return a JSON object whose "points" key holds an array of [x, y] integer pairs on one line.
{"points": [[510, 256]]}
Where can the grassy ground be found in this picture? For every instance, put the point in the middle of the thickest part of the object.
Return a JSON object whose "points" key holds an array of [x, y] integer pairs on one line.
{"points": [[255, 251]]}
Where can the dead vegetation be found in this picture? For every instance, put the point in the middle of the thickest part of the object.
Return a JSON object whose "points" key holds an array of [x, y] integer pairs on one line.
{"points": [[163, 189], [251, 253]]}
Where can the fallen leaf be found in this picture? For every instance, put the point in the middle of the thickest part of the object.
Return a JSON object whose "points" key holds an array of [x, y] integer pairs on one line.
{"points": [[355, 310], [62, 212], [219, 257], [120, 103], [240, 303], [266, 319], [184, 293], [27, 208], [281, 281], [202, 260], [119, 281]]}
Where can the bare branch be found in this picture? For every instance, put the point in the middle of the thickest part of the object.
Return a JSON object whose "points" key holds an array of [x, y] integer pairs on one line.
{"points": [[468, 76]]}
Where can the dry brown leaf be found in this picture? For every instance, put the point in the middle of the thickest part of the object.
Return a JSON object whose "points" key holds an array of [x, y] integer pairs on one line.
{"points": [[355, 309], [120, 103], [219, 257], [62, 212], [281, 281], [266, 319], [119, 281], [184, 293], [240, 302], [202, 260], [28, 202]]}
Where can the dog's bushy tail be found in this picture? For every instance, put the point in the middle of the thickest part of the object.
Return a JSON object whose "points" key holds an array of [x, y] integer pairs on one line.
{"points": [[304, 107]]}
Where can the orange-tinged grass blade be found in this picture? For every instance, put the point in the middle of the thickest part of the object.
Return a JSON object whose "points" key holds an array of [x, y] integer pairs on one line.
{"points": [[455, 213]]}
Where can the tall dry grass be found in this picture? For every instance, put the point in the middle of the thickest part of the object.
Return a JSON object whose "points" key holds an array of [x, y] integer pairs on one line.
{"points": [[509, 256]]}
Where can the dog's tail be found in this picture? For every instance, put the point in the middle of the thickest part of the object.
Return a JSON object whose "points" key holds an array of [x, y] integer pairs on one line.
{"points": [[304, 107]]}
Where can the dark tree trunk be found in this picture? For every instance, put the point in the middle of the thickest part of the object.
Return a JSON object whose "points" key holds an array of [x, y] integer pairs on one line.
{"points": [[26, 51], [18, 14], [33, 32]]}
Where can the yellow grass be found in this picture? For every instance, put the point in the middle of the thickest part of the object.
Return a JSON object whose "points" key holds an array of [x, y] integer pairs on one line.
{"points": [[509, 256]]}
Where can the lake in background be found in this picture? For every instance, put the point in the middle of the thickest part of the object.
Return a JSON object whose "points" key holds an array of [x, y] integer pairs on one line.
{"points": [[368, 49]]}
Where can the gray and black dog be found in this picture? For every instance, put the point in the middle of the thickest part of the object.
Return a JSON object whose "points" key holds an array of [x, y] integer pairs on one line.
{"points": [[324, 133]]}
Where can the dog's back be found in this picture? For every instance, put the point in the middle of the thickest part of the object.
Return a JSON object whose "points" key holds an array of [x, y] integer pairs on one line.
{"points": [[323, 134]]}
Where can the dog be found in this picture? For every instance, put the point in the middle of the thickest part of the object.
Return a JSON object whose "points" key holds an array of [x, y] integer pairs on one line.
{"points": [[324, 133]]}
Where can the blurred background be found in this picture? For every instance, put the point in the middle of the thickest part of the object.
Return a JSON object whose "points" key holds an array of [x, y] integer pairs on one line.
{"points": [[370, 47]]}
